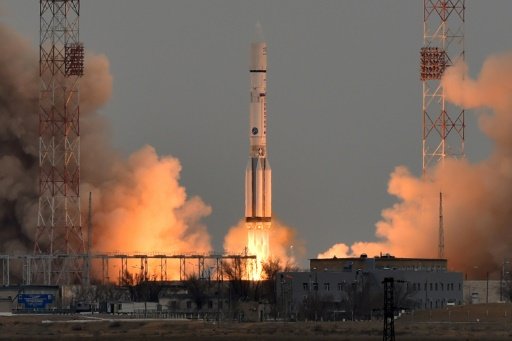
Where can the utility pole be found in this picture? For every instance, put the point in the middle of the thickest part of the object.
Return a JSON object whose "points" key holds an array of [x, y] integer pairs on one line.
{"points": [[441, 227], [388, 334]]}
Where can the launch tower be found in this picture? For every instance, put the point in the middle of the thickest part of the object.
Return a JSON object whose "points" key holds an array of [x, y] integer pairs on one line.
{"points": [[59, 228]]}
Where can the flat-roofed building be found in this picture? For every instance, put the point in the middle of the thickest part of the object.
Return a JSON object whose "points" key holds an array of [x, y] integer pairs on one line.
{"points": [[351, 287]]}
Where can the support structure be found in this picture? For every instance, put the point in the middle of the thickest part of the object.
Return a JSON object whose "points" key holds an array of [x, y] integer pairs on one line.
{"points": [[441, 227], [125, 264], [443, 46], [388, 333], [443, 122], [59, 227]]}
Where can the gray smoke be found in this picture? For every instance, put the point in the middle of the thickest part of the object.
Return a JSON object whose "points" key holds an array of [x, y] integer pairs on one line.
{"points": [[18, 142]]}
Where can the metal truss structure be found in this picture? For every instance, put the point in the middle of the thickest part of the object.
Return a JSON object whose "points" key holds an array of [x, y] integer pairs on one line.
{"points": [[24, 267], [443, 46], [59, 228], [388, 333], [443, 122]]}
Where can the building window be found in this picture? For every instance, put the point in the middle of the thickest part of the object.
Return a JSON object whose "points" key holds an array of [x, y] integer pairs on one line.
{"points": [[459, 286], [220, 304], [340, 286], [425, 286], [431, 286], [174, 305], [327, 286], [315, 286], [189, 304], [210, 304], [436, 290], [305, 286]]}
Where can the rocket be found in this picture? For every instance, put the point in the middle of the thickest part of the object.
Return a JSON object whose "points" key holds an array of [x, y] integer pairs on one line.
{"points": [[258, 176]]}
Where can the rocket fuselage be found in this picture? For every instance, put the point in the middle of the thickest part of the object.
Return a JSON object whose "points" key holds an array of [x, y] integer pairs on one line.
{"points": [[258, 176]]}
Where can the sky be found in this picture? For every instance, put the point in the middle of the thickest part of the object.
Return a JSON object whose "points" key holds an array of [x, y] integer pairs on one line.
{"points": [[344, 97]]}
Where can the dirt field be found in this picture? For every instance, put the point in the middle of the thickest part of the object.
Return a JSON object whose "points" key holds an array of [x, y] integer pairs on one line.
{"points": [[486, 322]]}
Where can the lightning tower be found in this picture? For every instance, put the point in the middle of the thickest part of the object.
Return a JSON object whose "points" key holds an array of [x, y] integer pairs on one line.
{"points": [[258, 185], [443, 46], [59, 228], [443, 123]]}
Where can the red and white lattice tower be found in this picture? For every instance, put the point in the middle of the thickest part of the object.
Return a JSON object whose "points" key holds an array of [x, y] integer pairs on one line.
{"points": [[443, 122], [61, 55], [443, 46]]}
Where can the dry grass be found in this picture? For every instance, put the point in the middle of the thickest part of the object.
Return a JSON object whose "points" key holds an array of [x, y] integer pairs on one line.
{"points": [[494, 323]]}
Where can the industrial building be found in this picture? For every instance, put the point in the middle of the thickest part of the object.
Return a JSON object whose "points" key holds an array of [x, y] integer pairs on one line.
{"points": [[352, 287]]}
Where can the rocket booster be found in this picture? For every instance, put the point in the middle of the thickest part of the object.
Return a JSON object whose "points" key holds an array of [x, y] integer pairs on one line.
{"points": [[258, 183]]}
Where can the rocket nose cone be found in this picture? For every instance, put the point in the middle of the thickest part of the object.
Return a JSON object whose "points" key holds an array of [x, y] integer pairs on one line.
{"points": [[258, 34]]}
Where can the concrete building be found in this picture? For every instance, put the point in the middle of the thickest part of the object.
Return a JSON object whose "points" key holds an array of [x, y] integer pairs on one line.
{"points": [[350, 287], [485, 291]]}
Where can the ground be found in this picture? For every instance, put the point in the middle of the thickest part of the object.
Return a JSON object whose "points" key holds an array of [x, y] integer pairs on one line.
{"points": [[473, 322]]}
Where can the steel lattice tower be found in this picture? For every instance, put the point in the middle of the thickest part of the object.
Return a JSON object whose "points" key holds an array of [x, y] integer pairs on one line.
{"points": [[443, 46], [443, 123], [388, 333], [61, 55]]}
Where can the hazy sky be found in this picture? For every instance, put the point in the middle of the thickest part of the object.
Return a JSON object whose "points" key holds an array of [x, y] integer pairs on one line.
{"points": [[344, 97]]}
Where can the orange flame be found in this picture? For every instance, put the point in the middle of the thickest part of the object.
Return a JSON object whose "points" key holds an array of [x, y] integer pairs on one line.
{"points": [[282, 244]]}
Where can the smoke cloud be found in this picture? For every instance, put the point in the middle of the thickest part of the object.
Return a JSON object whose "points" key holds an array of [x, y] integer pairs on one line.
{"points": [[18, 142], [138, 203], [477, 197]]}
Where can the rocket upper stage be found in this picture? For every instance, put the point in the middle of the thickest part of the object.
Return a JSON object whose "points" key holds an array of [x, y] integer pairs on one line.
{"points": [[258, 183], [258, 108]]}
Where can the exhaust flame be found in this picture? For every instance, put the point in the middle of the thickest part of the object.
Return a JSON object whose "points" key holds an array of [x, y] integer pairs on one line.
{"points": [[477, 198], [282, 244], [258, 244]]}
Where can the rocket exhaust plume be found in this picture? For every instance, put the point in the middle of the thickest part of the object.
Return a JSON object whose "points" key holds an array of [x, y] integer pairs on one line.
{"points": [[284, 244], [477, 197], [139, 204]]}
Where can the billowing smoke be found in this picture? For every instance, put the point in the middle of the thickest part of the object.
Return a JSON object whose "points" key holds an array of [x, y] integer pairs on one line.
{"points": [[18, 143], [477, 197], [284, 244], [138, 203]]}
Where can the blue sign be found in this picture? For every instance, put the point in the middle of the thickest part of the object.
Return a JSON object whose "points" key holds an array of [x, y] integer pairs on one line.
{"points": [[36, 301]]}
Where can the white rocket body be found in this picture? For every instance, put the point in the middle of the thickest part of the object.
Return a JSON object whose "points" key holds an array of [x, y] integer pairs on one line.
{"points": [[258, 175]]}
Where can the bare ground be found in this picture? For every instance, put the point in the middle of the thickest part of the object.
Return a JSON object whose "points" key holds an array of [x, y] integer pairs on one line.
{"points": [[474, 322]]}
